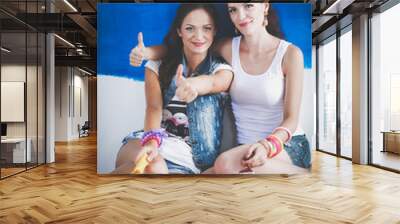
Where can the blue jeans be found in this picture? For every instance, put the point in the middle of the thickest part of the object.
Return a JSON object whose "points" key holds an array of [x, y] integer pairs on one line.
{"points": [[299, 151], [205, 115], [174, 168]]}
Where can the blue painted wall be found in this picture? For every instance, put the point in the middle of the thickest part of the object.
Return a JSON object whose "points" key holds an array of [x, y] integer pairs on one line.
{"points": [[119, 24]]}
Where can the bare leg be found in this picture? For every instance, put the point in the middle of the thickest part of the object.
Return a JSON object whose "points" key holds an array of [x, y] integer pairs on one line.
{"points": [[209, 171], [229, 162], [127, 156]]}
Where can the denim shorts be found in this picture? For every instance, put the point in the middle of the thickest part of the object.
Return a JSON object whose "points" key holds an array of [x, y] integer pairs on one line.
{"points": [[173, 168], [299, 151]]}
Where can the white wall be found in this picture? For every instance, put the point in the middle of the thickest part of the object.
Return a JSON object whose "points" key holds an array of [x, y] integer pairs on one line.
{"points": [[33, 127], [12, 73], [80, 83], [61, 103], [120, 110], [12, 101], [68, 81]]}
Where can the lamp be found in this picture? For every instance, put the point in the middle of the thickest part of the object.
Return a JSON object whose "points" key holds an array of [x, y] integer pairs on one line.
{"points": [[84, 71], [5, 50], [70, 5], [337, 7], [64, 40]]}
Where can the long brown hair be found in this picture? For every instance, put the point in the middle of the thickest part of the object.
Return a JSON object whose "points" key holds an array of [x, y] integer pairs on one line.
{"points": [[273, 26]]}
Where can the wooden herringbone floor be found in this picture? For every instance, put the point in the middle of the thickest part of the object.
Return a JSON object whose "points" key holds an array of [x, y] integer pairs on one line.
{"points": [[70, 191]]}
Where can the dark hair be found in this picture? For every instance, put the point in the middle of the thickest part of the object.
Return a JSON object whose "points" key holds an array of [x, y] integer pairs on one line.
{"points": [[273, 26], [174, 45]]}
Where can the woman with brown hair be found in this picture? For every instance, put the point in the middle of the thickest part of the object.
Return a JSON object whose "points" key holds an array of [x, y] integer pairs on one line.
{"points": [[266, 96], [172, 136]]}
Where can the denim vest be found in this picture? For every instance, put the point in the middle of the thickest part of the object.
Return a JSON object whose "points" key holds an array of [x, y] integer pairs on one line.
{"points": [[205, 115]]}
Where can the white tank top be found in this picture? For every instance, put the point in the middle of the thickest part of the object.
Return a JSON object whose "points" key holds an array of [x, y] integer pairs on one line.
{"points": [[257, 100]]}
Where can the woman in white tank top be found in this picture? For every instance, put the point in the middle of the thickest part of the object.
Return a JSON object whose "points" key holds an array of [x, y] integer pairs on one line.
{"points": [[266, 96]]}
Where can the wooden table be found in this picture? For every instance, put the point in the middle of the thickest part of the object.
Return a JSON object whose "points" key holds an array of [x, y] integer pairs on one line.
{"points": [[391, 141]]}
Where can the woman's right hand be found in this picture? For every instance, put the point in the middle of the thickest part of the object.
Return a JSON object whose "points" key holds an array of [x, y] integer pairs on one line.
{"points": [[138, 54], [256, 155], [185, 89], [150, 150]]}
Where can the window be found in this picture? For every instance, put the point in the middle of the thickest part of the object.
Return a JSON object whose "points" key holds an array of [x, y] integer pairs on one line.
{"points": [[346, 93], [23, 80], [327, 96], [385, 89]]}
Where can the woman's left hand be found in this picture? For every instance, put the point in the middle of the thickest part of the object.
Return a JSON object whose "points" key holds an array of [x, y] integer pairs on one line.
{"points": [[185, 89], [255, 156]]}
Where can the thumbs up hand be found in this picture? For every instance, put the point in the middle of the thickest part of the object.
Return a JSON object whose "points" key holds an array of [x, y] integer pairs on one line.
{"points": [[180, 79], [185, 90], [138, 54]]}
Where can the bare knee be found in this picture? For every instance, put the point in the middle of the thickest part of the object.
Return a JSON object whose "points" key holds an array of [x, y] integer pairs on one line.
{"points": [[223, 164], [128, 152], [157, 166]]}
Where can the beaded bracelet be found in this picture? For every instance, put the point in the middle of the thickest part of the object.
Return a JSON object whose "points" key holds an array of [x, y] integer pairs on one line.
{"points": [[288, 132], [158, 135], [152, 137]]}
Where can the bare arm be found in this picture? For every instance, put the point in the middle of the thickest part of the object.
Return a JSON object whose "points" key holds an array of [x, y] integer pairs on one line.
{"points": [[153, 102], [206, 84], [188, 89], [293, 69]]}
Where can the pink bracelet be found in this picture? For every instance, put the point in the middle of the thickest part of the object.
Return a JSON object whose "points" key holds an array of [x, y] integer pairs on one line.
{"points": [[267, 145], [288, 132], [275, 141], [271, 148], [151, 137], [157, 135]]}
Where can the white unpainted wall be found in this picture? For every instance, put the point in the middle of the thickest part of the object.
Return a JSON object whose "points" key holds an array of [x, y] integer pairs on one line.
{"points": [[71, 102]]}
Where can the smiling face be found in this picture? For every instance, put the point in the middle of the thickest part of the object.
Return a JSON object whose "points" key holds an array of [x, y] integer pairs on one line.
{"points": [[248, 18], [197, 32]]}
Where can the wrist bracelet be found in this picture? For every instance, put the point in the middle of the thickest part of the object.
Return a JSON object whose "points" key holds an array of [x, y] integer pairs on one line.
{"points": [[277, 143], [272, 149], [268, 146], [288, 132], [158, 135]]}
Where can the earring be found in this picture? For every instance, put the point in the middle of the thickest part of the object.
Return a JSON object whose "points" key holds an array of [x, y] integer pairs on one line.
{"points": [[265, 22], [237, 31]]}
